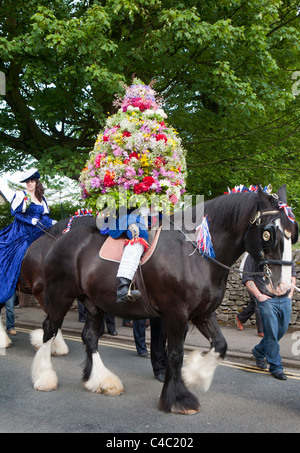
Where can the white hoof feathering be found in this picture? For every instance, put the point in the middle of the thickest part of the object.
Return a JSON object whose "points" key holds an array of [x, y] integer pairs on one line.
{"points": [[36, 338], [59, 346], [102, 380], [44, 377], [199, 369], [5, 341]]}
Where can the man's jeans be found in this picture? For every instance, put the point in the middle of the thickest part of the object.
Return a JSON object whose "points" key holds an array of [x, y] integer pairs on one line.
{"points": [[10, 312], [276, 315]]}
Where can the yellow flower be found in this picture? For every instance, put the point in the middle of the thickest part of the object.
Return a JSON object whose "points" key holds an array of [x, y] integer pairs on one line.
{"points": [[144, 161]]}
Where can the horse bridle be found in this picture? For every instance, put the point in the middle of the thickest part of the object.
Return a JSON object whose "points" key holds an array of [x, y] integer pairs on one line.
{"points": [[270, 240]]}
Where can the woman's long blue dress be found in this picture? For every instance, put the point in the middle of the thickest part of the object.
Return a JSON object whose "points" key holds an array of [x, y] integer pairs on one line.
{"points": [[16, 238]]}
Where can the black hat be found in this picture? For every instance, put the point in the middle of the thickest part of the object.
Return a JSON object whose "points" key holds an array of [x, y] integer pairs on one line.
{"points": [[30, 174]]}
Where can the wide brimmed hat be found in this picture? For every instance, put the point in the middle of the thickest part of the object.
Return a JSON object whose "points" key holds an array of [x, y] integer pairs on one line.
{"points": [[30, 174]]}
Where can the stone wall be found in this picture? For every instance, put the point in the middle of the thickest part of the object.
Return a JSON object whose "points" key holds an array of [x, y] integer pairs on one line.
{"points": [[236, 297]]}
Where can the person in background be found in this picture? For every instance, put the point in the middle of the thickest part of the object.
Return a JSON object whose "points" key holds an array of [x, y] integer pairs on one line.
{"points": [[31, 212], [275, 313], [139, 334], [10, 315], [109, 320], [246, 314]]}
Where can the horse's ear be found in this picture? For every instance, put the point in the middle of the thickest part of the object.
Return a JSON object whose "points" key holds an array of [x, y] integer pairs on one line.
{"points": [[281, 192], [263, 197]]}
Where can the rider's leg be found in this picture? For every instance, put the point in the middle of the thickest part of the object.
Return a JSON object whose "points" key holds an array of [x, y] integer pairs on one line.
{"points": [[128, 266]]}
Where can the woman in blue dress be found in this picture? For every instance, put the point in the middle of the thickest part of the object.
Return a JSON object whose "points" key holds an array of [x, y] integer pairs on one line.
{"points": [[31, 212]]}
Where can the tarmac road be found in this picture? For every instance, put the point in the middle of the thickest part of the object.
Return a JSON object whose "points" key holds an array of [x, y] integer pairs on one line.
{"points": [[241, 398]]}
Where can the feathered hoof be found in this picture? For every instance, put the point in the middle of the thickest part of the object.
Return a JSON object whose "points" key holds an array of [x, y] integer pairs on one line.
{"points": [[185, 411], [47, 382], [111, 386], [5, 341]]}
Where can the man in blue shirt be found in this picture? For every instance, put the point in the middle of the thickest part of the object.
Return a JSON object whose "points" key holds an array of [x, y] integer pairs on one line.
{"points": [[276, 314]]}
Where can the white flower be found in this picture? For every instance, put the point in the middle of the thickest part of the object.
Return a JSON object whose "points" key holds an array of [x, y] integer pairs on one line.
{"points": [[161, 113], [130, 108]]}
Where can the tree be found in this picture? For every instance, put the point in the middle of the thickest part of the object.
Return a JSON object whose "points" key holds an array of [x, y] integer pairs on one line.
{"points": [[224, 67]]}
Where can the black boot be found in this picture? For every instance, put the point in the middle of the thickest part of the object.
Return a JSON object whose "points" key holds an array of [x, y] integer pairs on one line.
{"points": [[125, 293]]}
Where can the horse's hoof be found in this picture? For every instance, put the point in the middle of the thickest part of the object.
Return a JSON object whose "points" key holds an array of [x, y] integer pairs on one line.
{"points": [[113, 391], [186, 411], [42, 388]]}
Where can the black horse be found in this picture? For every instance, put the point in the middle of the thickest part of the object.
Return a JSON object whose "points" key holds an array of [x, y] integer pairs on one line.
{"points": [[182, 285]]}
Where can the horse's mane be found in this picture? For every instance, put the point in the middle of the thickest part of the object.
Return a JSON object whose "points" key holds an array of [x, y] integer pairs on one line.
{"points": [[232, 211], [57, 229]]}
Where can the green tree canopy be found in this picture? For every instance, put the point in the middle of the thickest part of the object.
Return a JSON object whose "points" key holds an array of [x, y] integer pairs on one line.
{"points": [[224, 68]]}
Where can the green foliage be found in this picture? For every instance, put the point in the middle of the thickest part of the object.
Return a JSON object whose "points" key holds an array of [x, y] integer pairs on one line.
{"points": [[5, 216], [224, 67], [63, 210]]}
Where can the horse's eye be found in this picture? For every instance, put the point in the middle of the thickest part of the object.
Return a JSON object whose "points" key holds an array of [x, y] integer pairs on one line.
{"points": [[266, 236]]}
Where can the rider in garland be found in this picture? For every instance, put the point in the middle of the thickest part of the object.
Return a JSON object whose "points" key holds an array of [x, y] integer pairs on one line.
{"points": [[137, 166]]}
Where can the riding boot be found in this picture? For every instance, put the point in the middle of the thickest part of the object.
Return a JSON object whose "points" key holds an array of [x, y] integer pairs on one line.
{"points": [[127, 269], [125, 293]]}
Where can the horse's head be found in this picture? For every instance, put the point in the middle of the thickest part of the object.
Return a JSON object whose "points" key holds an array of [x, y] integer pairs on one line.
{"points": [[269, 239]]}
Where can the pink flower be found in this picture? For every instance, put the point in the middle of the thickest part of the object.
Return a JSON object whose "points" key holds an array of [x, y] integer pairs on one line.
{"points": [[117, 151], [98, 160]]}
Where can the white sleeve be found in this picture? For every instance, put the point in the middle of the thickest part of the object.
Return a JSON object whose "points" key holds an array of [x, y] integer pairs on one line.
{"points": [[17, 200], [45, 206]]}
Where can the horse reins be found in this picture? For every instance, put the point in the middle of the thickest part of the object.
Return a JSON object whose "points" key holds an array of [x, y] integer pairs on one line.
{"points": [[45, 231], [265, 263]]}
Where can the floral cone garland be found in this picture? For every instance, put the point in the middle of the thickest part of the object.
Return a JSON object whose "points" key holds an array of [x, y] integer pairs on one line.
{"points": [[137, 157]]}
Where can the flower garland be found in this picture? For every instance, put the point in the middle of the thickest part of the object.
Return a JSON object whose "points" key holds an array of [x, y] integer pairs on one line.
{"points": [[137, 158]]}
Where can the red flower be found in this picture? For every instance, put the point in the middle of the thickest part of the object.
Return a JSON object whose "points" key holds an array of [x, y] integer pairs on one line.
{"points": [[148, 181], [105, 138], [131, 155], [159, 162], [140, 188], [109, 180], [142, 104], [144, 186], [126, 134], [161, 137]]}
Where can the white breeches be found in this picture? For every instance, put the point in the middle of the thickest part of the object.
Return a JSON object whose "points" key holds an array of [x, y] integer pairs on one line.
{"points": [[130, 260]]}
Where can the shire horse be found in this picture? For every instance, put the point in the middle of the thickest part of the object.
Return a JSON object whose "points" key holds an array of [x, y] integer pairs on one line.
{"points": [[182, 285]]}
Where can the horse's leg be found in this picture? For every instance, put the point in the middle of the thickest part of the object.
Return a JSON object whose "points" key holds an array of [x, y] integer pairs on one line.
{"points": [[96, 377], [199, 369], [175, 397], [44, 377], [5, 341]]}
